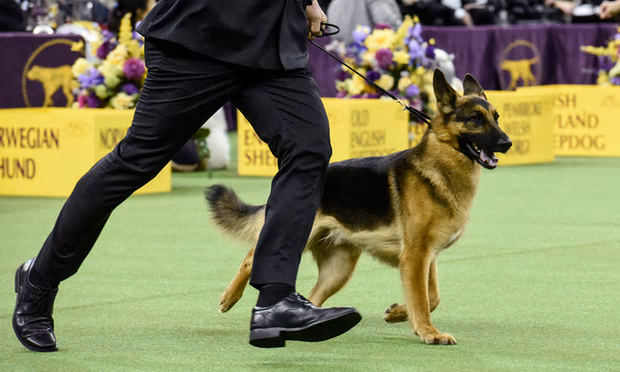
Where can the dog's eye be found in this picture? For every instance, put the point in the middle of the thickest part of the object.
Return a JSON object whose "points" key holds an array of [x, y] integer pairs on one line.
{"points": [[476, 118], [496, 116]]}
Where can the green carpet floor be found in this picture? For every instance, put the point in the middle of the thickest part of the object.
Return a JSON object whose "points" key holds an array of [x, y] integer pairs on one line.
{"points": [[534, 285]]}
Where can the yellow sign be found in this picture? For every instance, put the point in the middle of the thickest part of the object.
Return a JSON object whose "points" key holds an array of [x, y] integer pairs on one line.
{"points": [[44, 152], [585, 119], [528, 121], [359, 128]]}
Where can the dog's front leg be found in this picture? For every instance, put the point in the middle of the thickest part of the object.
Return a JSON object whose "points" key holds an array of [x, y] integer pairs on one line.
{"points": [[415, 266]]}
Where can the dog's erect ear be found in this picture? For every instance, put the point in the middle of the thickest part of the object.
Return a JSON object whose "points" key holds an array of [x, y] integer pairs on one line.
{"points": [[472, 87], [445, 94]]}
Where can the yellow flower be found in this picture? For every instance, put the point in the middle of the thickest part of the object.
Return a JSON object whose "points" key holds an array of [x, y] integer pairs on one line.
{"points": [[401, 34], [420, 71], [380, 39], [80, 66], [101, 91], [368, 59], [109, 69], [112, 81], [118, 56], [125, 32], [341, 85], [401, 57], [404, 83], [386, 82], [123, 101], [603, 79], [356, 85], [615, 71]]}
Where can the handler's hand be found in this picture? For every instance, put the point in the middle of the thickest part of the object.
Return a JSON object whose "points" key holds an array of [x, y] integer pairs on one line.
{"points": [[608, 9], [315, 16]]}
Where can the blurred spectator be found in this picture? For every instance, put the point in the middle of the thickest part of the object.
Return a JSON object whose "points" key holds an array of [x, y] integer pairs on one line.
{"points": [[437, 13], [482, 12], [100, 12], [583, 11], [609, 9], [138, 9], [348, 14], [11, 17], [533, 11]]}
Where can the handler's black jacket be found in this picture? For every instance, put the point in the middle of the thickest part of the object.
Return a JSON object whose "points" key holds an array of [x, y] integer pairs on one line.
{"points": [[266, 34]]}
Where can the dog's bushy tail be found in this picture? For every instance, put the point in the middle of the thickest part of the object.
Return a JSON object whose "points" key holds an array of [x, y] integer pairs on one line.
{"points": [[233, 216]]}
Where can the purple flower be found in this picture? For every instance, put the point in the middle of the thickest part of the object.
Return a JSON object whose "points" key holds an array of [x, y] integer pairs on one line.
{"points": [[104, 49], [107, 35], [373, 95], [430, 52], [416, 32], [92, 100], [615, 80], [384, 58], [415, 50], [356, 96], [130, 89], [373, 75], [342, 75], [134, 68], [360, 34], [412, 91], [341, 94], [383, 26], [91, 78], [617, 37], [605, 63]]}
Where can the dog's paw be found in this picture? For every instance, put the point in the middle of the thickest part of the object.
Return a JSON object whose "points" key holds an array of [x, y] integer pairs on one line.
{"points": [[438, 339], [228, 299], [395, 313]]}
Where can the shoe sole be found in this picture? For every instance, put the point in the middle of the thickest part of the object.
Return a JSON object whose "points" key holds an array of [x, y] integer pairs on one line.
{"points": [[28, 346], [330, 328]]}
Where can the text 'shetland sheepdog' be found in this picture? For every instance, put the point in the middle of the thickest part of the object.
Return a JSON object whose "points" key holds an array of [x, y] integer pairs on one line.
{"points": [[403, 208]]}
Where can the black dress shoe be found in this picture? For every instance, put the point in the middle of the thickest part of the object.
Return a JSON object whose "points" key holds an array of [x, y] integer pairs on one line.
{"points": [[295, 318], [32, 319]]}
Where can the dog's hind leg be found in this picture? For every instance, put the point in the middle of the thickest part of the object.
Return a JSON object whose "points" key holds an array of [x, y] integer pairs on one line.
{"points": [[336, 264], [235, 289]]}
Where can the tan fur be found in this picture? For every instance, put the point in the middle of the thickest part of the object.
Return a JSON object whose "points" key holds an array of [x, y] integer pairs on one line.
{"points": [[431, 204]]}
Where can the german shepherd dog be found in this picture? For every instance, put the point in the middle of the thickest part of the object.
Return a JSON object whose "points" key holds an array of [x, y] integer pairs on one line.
{"points": [[403, 208]]}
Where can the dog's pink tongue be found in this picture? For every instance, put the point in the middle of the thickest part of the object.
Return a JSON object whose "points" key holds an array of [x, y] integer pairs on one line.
{"points": [[489, 160]]}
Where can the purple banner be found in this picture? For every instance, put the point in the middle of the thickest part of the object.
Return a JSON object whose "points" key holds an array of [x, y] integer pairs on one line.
{"points": [[501, 57], [35, 70]]}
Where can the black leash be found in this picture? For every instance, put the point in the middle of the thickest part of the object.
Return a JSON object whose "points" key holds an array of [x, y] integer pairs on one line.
{"points": [[419, 114]]}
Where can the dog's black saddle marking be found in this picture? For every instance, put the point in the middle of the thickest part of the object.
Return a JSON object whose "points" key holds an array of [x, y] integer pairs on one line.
{"points": [[357, 193]]}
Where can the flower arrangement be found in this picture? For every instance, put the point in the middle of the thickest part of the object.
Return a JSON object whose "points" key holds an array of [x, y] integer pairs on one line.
{"points": [[609, 61], [399, 61], [116, 76]]}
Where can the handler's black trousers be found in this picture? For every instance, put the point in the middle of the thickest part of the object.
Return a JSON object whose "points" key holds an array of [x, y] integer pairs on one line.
{"points": [[181, 92]]}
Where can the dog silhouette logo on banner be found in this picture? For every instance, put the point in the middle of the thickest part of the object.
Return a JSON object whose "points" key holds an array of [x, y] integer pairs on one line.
{"points": [[520, 65], [54, 82]]}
